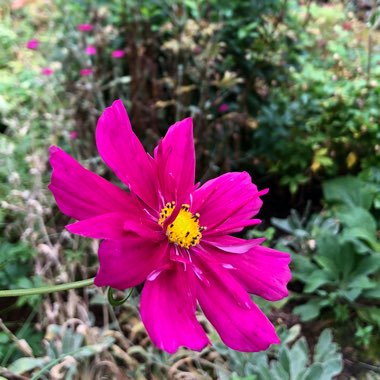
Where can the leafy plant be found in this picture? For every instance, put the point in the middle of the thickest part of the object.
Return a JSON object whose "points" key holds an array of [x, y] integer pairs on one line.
{"points": [[292, 360], [336, 252]]}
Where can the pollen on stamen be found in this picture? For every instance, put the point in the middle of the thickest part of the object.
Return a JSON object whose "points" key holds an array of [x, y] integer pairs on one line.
{"points": [[184, 230]]}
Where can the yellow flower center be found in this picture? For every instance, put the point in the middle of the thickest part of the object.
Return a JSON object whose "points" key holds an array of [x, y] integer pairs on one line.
{"points": [[184, 230]]}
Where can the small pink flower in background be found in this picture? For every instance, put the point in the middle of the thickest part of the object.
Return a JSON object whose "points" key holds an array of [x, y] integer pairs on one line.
{"points": [[347, 25], [85, 27], [118, 54], [73, 135], [47, 71], [174, 235], [223, 108], [86, 72], [91, 50], [33, 44], [197, 50]]}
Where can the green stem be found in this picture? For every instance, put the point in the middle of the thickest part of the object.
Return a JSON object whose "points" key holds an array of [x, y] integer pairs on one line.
{"points": [[46, 289]]}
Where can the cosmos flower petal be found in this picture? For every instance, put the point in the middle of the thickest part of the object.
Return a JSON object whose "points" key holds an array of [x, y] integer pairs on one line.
{"points": [[80, 193], [230, 227], [168, 307], [122, 151], [240, 323], [231, 244], [106, 226], [115, 226], [127, 262], [261, 271], [175, 157], [227, 202]]}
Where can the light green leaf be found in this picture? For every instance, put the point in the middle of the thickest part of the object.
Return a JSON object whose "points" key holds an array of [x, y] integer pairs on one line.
{"points": [[23, 365], [314, 373], [324, 343], [332, 367], [309, 310]]}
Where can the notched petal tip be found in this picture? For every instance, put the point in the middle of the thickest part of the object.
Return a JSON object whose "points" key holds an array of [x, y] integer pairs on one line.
{"points": [[263, 192]]}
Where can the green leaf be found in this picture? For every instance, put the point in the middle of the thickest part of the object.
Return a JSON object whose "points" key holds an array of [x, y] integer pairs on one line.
{"points": [[309, 310], [361, 282], [372, 293], [302, 267], [316, 280], [23, 365], [359, 221], [292, 334], [351, 294], [278, 371], [323, 345], [367, 265], [314, 372], [370, 315], [298, 357], [350, 191], [332, 367]]}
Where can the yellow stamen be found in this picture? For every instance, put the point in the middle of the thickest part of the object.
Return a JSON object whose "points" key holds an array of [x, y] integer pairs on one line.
{"points": [[184, 230]]}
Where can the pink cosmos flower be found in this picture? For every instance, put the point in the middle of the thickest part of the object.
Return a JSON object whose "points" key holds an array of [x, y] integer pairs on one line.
{"points": [[118, 54], [47, 71], [91, 50], [174, 235], [33, 44], [85, 27], [223, 108], [86, 72], [347, 25], [73, 135]]}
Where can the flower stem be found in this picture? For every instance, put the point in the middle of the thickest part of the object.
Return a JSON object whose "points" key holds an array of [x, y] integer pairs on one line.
{"points": [[46, 289]]}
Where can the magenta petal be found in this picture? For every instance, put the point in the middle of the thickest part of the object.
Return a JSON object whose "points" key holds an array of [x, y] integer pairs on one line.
{"points": [[168, 307], [106, 226], [231, 227], [240, 323], [116, 225], [175, 157], [262, 271], [231, 244], [122, 151], [127, 262], [227, 203], [82, 194]]}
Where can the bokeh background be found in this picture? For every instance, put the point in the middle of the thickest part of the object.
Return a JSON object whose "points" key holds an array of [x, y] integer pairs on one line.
{"points": [[286, 90]]}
